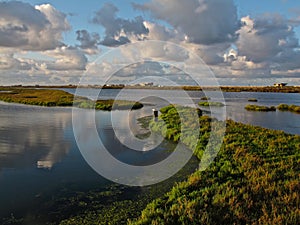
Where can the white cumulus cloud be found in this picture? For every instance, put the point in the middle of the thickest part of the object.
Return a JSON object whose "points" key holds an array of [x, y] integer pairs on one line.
{"points": [[202, 21], [23, 26]]}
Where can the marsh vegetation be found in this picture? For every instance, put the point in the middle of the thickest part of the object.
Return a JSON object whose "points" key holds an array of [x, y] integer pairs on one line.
{"points": [[253, 180], [281, 107], [260, 108], [207, 104], [291, 108], [52, 97]]}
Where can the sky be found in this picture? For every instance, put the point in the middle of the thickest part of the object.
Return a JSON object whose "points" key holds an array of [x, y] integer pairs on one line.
{"points": [[58, 42]]}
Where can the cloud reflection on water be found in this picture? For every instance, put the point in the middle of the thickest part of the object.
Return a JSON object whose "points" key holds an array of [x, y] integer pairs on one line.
{"points": [[32, 137]]}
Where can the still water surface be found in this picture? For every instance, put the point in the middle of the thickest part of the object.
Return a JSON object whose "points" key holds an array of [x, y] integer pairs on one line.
{"points": [[234, 101], [39, 156]]}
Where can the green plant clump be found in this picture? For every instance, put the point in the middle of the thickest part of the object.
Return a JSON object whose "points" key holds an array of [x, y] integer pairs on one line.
{"points": [[206, 103], [205, 98], [291, 108], [252, 100], [260, 108]]}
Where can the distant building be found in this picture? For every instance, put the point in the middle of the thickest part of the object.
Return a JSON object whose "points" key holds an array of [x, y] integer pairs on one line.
{"points": [[147, 84], [280, 84]]}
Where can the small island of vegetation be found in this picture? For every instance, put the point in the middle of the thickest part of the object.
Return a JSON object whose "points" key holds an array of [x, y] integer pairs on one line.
{"points": [[207, 103], [53, 97], [205, 98], [281, 107], [291, 108], [260, 108], [252, 100]]}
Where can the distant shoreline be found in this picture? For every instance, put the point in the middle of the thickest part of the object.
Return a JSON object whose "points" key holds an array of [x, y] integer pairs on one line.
{"points": [[286, 89]]}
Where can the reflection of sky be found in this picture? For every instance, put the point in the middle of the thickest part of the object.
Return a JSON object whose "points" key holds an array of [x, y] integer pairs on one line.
{"points": [[117, 132], [235, 103], [32, 136]]}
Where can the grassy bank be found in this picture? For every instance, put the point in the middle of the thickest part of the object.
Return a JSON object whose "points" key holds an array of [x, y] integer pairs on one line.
{"points": [[52, 97], [253, 180]]}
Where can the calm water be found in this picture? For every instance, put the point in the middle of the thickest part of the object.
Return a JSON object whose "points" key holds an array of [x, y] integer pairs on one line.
{"points": [[286, 121], [39, 155], [235, 103]]}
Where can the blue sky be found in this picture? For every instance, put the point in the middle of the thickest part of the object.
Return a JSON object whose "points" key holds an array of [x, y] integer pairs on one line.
{"points": [[243, 42], [80, 13]]}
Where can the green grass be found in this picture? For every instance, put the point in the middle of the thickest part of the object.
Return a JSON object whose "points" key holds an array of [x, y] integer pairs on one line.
{"points": [[260, 108], [41, 97], [253, 180], [52, 97], [206, 104]]}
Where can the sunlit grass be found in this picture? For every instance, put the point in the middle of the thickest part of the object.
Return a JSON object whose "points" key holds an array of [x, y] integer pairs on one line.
{"points": [[254, 179], [52, 97]]}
